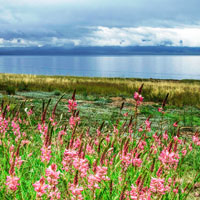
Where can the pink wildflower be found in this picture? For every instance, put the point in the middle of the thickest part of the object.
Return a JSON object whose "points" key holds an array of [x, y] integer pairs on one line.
{"points": [[116, 131], [148, 125], [89, 149], [108, 138], [54, 193], [176, 139], [40, 187], [46, 154], [52, 178], [69, 156], [30, 112], [165, 136], [99, 175], [138, 97], [81, 165], [175, 124], [139, 194], [125, 159], [72, 105], [175, 190], [169, 159], [196, 139], [184, 152], [12, 182], [73, 121], [76, 191], [136, 162], [126, 114], [142, 144], [30, 154], [52, 175], [157, 186], [140, 129]]}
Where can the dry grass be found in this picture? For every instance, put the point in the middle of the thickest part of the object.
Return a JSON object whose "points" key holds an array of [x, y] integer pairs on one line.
{"points": [[185, 92]]}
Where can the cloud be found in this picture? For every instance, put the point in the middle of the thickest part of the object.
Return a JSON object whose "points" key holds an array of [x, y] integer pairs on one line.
{"points": [[117, 13], [99, 23], [106, 36], [143, 36]]}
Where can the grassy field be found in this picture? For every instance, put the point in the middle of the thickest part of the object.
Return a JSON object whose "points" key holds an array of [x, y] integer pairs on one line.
{"points": [[96, 164], [184, 92], [98, 149]]}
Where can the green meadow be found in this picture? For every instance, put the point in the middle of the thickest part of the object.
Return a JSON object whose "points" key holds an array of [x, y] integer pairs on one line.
{"points": [[108, 146]]}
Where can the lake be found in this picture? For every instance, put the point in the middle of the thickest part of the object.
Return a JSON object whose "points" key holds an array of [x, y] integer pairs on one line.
{"points": [[151, 66]]}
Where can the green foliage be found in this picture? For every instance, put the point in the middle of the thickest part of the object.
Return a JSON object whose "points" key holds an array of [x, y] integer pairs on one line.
{"points": [[57, 93], [10, 90]]}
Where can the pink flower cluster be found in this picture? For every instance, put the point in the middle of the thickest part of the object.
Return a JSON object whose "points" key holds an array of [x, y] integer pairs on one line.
{"points": [[15, 158], [43, 128], [136, 161], [46, 153], [68, 158], [40, 187], [72, 159], [3, 125], [125, 159], [81, 165], [148, 125], [16, 130], [138, 193], [196, 139], [73, 121], [169, 159], [157, 186], [165, 135], [97, 177], [142, 144], [52, 177], [12, 182], [76, 191], [138, 97], [30, 112], [161, 110], [72, 105]]}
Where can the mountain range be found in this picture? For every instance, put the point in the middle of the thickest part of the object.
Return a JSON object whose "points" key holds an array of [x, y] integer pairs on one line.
{"points": [[96, 50]]}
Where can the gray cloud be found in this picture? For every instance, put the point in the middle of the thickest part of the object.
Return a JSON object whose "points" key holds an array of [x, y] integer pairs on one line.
{"points": [[95, 22]]}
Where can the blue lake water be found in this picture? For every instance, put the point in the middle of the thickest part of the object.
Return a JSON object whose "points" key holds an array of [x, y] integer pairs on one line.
{"points": [[163, 67]]}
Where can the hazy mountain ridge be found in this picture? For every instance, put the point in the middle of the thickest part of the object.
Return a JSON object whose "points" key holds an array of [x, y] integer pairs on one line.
{"points": [[107, 50]]}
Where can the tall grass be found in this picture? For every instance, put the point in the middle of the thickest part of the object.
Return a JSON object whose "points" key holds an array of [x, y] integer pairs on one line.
{"points": [[185, 92]]}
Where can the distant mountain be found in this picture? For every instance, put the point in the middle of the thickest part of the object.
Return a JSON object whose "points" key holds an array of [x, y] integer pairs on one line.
{"points": [[107, 50]]}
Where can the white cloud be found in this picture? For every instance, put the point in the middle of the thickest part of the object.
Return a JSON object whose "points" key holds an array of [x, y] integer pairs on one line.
{"points": [[105, 36], [52, 41], [144, 36], [18, 42]]}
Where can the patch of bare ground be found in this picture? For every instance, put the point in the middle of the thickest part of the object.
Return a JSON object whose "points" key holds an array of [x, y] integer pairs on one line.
{"points": [[117, 102], [22, 97]]}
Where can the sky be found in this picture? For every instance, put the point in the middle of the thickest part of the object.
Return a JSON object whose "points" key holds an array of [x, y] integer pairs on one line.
{"points": [[70, 23]]}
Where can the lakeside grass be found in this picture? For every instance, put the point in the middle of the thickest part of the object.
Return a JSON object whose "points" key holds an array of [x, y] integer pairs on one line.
{"points": [[95, 110], [181, 92]]}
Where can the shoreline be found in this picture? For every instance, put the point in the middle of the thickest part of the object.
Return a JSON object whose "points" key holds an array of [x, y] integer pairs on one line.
{"points": [[103, 77]]}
